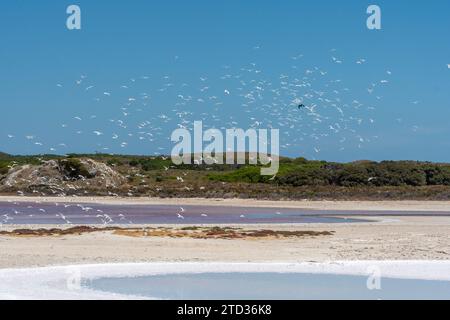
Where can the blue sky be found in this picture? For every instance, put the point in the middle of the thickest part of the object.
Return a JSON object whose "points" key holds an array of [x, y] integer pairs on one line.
{"points": [[146, 54]]}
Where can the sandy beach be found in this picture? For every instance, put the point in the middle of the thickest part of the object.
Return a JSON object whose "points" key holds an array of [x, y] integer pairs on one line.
{"points": [[382, 238]]}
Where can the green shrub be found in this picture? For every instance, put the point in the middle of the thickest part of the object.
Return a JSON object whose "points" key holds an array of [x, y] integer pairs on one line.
{"points": [[352, 176], [306, 176], [74, 169], [437, 175], [4, 166], [244, 174]]}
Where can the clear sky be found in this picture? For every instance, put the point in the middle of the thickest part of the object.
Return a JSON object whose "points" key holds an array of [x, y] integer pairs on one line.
{"points": [[139, 69]]}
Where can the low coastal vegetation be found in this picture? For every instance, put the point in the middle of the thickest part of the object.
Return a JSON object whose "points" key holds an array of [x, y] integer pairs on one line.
{"points": [[301, 172], [124, 175]]}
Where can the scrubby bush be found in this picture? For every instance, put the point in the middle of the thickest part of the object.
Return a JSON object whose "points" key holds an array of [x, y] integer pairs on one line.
{"points": [[72, 168], [353, 175], [243, 174], [306, 176], [4, 167], [437, 175]]}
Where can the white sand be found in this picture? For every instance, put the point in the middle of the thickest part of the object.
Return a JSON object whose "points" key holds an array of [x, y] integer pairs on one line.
{"points": [[394, 238], [63, 282]]}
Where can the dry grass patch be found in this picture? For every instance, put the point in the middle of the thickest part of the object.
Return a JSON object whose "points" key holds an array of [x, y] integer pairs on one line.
{"points": [[185, 232], [218, 233]]}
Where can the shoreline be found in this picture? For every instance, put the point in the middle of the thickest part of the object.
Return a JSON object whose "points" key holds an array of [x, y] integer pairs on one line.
{"points": [[395, 205], [398, 269]]}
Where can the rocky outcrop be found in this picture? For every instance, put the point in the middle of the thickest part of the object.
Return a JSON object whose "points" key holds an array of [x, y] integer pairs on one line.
{"points": [[66, 176]]}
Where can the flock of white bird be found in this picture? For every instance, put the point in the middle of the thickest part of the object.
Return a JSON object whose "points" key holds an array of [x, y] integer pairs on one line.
{"points": [[144, 110], [83, 211]]}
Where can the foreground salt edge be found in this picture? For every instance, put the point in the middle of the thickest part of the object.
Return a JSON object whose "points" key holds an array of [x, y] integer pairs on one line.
{"points": [[52, 282]]}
